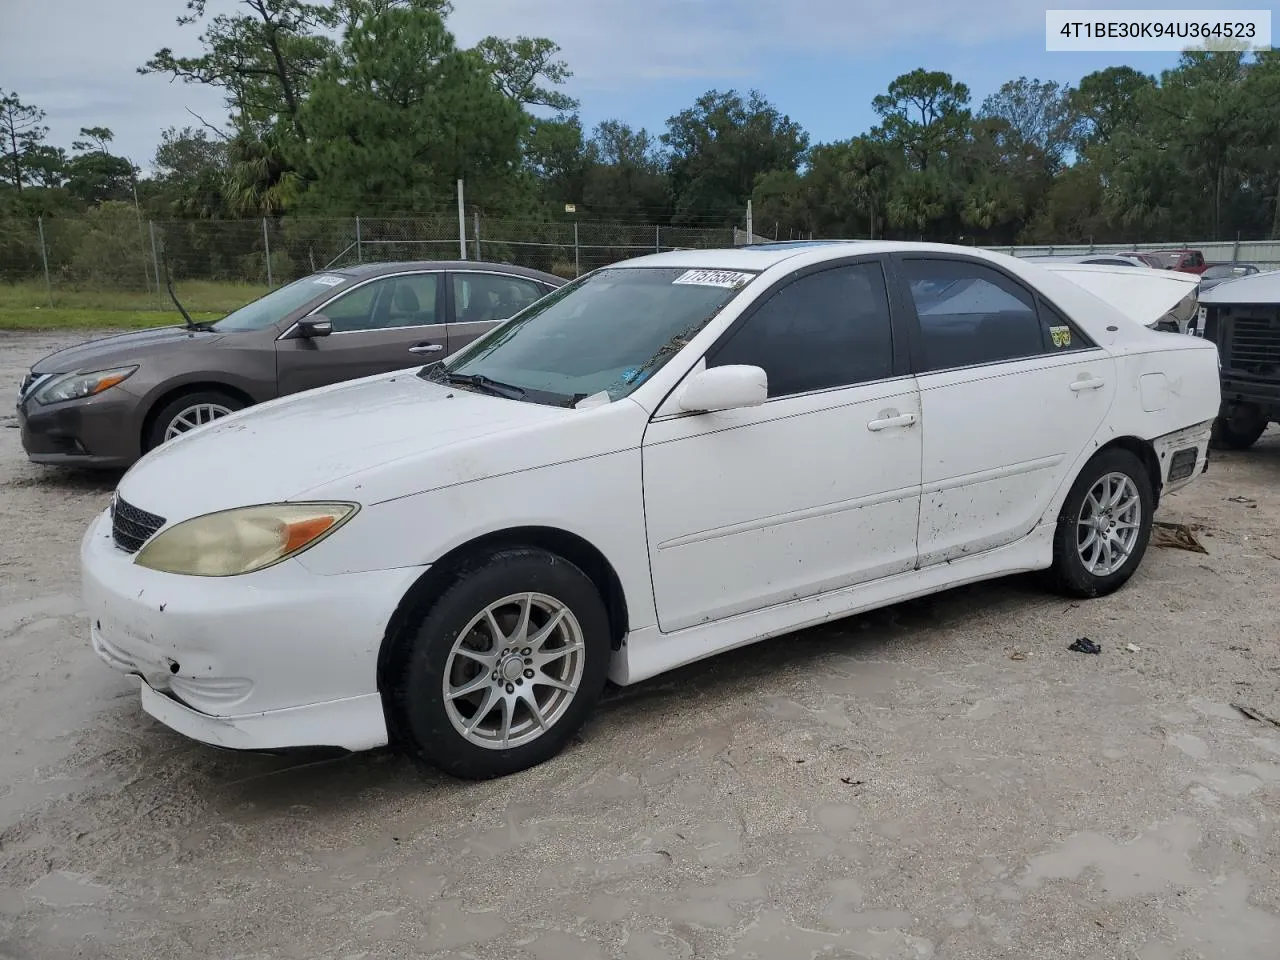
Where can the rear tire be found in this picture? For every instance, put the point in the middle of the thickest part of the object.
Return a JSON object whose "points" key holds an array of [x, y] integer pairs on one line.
{"points": [[504, 667], [1239, 428], [1104, 527], [186, 412]]}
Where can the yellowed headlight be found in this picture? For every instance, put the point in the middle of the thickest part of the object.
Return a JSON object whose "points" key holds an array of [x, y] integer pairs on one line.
{"points": [[242, 540]]}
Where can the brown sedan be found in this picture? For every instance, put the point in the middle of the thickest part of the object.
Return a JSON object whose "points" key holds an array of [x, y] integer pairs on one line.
{"points": [[107, 402]]}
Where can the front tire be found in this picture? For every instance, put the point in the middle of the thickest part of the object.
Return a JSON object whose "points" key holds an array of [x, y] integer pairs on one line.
{"points": [[188, 411], [504, 667], [1104, 527], [1239, 428]]}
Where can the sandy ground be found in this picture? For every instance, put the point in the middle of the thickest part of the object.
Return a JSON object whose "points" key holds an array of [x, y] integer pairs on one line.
{"points": [[942, 779]]}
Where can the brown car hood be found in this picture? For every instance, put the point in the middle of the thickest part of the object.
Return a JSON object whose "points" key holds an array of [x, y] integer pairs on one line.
{"points": [[107, 352]]}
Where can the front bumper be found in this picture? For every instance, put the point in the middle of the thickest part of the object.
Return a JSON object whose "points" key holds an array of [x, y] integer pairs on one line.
{"points": [[275, 659], [93, 432]]}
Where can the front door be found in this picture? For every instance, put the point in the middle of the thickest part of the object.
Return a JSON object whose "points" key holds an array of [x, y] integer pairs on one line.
{"points": [[386, 324], [481, 300], [816, 489], [1011, 393]]}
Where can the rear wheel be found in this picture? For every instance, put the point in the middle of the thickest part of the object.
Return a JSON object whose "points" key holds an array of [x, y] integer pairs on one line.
{"points": [[1104, 527], [1239, 428], [185, 413], [505, 667]]}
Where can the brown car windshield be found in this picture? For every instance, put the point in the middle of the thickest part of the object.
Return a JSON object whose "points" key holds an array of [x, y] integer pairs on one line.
{"points": [[277, 304], [605, 333]]}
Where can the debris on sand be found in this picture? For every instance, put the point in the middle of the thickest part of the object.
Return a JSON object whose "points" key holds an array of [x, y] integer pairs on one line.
{"points": [[1247, 501], [1017, 655], [1085, 645], [1133, 648], [1258, 715], [1177, 535]]}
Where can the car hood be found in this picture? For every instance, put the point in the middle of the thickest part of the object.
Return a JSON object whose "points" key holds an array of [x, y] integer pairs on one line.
{"points": [[1143, 295], [1256, 288], [124, 348], [282, 449]]}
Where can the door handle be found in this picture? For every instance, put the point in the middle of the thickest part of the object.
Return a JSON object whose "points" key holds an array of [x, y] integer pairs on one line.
{"points": [[1087, 382], [893, 419], [426, 348]]}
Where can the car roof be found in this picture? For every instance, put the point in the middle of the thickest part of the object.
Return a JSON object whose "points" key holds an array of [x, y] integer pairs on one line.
{"points": [[382, 267], [762, 256]]}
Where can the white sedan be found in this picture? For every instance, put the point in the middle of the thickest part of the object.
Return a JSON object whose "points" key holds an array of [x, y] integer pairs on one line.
{"points": [[666, 459]]}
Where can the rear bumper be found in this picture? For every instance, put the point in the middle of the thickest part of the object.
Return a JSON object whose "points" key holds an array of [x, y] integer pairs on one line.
{"points": [[1174, 451], [1237, 390]]}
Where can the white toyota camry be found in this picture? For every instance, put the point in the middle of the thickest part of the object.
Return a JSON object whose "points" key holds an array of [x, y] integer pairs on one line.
{"points": [[665, 459]]}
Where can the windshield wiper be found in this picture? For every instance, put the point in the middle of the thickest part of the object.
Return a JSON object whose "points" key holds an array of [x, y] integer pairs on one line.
{"points": [[479, 380]]}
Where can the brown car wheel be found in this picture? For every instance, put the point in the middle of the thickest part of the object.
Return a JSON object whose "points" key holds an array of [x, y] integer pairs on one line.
{"points": [[187, 412]]}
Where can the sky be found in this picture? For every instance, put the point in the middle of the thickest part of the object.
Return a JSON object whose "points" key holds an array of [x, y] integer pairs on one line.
{"points": [[818, 61]]}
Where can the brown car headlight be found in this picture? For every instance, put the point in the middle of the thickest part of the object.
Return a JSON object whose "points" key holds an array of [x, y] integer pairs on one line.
{"points": [[74, 386]]}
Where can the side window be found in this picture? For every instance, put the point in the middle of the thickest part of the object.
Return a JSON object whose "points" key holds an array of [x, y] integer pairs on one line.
{"points": [[410, 301], [489, 296], [1058, 334], [971, 314], [354, 310], [828, 329]]}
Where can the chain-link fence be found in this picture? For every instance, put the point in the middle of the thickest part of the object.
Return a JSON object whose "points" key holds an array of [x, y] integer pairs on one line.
{"points": [[114, 257], [115, 253]]}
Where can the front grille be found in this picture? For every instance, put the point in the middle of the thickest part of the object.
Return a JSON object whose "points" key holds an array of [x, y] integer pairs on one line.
{"points": [[1253, 345], [130, 526]]}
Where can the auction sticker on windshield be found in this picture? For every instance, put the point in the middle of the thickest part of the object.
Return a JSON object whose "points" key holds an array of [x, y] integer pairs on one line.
{"points": [[731, 279], [330, 281]]}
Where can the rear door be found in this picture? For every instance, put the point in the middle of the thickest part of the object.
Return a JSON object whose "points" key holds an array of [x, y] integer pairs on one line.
{"points": [[387, 323], [1011, 392], [479, 299]]}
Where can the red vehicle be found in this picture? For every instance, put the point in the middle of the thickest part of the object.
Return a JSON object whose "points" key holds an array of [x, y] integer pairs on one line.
{"points": [[1184, 261]]}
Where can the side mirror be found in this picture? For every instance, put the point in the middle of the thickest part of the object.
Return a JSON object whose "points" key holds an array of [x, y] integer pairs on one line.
{"points": [[724, 388], [315, 326]]}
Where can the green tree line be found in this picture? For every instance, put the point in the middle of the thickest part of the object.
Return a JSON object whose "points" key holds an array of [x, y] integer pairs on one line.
{"points": [[370, 107]]}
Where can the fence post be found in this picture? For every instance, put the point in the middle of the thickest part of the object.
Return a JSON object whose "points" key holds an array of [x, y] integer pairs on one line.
{"points": [[462, 225], [1235, 251], [657, 239], [577, 267], [359, 248], [476, 215], [44, 257], [749, 228], [155, 257], [266, 248]]}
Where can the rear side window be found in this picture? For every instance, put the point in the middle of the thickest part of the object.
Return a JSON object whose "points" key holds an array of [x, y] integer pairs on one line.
{"points": [[823, 330], [1058, 333], [479, 297], [971, 314]]}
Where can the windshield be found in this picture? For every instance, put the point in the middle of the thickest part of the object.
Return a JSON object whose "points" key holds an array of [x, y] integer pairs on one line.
{"points": [[1169, 260], [604, 334], [269, 309], [1226, 270]]}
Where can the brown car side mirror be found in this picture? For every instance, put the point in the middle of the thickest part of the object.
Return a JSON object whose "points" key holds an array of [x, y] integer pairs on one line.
{"points": [[315, 326]]}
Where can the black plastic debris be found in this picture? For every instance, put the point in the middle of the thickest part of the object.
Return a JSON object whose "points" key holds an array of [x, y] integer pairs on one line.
{"points": [[1085, 645]]}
